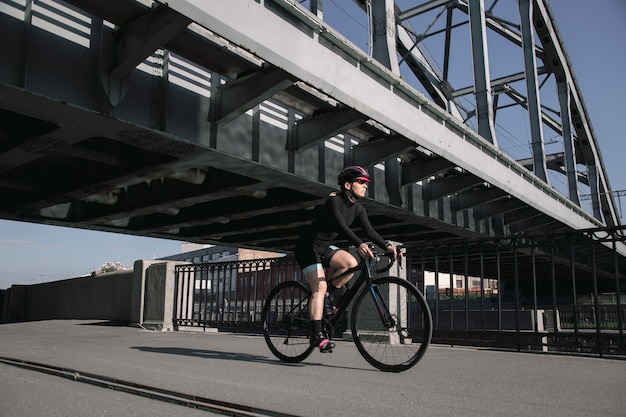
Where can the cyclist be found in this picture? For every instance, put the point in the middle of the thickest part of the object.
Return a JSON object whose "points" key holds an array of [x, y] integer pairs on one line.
{"points": [[315, 250]]}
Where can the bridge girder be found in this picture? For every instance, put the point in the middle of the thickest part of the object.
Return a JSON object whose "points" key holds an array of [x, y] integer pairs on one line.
{"points": [[245, 164]]}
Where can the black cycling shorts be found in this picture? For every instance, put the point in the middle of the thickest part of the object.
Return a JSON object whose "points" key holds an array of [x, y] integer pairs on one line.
{"points": [[314, 257]]}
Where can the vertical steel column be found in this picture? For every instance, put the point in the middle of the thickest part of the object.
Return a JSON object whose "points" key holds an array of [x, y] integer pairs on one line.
{"points": [[317, 7], [291, 154], [158, 99], [321, 161], [383, 34], [532, 87], [594, 190], [482, 78], [25, 62], [568, 141], [216, 82], [96, 40], [256, 134], [382, 28]]}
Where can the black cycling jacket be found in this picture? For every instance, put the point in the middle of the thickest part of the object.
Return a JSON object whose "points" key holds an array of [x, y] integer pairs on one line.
{"points": [[335, 218]]}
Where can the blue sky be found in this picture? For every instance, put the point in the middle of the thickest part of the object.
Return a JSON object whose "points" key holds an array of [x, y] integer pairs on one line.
{"points": [[593, 33]]}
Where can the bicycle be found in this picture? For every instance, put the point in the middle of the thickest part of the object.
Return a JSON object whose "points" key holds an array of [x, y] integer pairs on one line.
{"points": [[390, 321]]}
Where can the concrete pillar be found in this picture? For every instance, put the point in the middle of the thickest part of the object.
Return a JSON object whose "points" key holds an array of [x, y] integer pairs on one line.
{"points": [[152, 304], [137, 291]]}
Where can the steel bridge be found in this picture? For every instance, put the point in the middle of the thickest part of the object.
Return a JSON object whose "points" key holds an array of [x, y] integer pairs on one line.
{"points": [[226, 122]]}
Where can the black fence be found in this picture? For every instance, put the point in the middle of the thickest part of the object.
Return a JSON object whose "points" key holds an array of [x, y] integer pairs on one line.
{"points": [[558, 292], [543, 292], [228, 295]]}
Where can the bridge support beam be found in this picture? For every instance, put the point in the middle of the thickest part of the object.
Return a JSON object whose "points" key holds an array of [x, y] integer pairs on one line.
{"points": [[369, 153], [475, 198], [594, 188], [447, 186], [383, 34], [134, 43], [532, 87], [237, 97], [568, 142], [499, 207], [309, 132], [423, 168], [383, 40], [480, 61]]}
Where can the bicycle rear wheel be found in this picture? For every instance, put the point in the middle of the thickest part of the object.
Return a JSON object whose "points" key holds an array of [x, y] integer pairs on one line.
{"points": [[391, 324], [286, 325]]}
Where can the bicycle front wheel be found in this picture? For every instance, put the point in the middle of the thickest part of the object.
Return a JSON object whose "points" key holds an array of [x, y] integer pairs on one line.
{"points": [[391, 324], [286, 325]]}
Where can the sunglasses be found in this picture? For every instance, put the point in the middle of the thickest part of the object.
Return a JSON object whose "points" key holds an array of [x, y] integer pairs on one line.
{"points": [[361, 182]]}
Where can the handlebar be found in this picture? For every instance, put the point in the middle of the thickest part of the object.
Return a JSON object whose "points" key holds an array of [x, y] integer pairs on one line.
{"points": [[377, 255]]}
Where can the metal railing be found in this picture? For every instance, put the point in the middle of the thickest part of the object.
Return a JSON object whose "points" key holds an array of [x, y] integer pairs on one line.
{"points": [[557, 292], [228, 295], [545, 292]]}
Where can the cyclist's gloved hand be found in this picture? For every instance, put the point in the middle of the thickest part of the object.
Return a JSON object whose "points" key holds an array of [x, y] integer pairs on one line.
{"points": [[365, 251]]}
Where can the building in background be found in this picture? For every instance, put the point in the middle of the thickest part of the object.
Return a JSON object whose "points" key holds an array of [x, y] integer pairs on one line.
{"points": [[195, 253]]}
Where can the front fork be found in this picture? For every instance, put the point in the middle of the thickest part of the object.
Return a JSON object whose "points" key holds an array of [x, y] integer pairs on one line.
{"points": [[383, 310]]}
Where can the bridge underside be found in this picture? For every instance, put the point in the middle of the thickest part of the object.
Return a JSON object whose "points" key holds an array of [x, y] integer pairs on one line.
{"points": [[96, 172], [206, 142]]}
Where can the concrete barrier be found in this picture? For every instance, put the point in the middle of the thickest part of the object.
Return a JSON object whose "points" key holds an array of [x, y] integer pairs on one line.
{"points": [[143, 297], [105, 297]]}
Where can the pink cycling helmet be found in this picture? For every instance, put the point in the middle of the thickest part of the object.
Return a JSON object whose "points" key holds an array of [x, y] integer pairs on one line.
{"points": [[353, 173]]}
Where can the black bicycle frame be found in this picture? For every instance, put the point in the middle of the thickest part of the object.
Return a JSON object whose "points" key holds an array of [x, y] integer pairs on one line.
{"points": [[365, 278]]}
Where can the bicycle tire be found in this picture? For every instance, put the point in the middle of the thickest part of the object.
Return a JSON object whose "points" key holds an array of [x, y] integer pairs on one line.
{"points": [[286, 325], [396, 348]]}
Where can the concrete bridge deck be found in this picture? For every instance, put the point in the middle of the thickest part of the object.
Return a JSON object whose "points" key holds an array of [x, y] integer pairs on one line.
{"points": [[449, 381]]}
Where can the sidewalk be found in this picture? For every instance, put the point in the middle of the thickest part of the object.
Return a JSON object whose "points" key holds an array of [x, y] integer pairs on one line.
{"points": [[240, 369]]}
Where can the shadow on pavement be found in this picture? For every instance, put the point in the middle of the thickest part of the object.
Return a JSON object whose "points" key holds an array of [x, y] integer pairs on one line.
{"points": [[112, 323], [207, 354], [232, 356]]}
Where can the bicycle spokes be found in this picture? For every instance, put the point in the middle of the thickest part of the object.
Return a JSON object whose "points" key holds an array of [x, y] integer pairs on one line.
{"points": [[391, 324], [286, 324]]}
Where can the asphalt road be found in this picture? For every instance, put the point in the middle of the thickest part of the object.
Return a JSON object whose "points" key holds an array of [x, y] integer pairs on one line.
{"points": [[239, 369]]}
